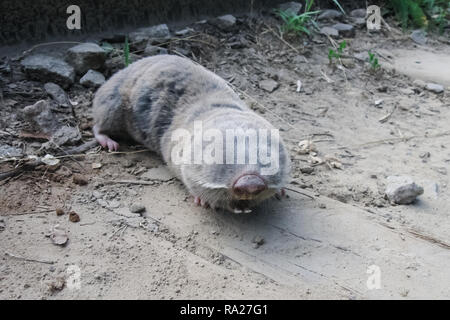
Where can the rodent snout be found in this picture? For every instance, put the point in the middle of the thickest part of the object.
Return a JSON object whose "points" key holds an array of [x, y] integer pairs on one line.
{"points": [[248, 186]]}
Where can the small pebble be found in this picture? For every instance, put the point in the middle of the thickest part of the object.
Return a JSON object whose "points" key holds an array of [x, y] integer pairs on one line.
{"points": [[74, 217], [137, 208]]}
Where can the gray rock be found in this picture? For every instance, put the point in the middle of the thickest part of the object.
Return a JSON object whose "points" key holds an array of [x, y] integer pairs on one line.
{"points": [[434, 87], [329, 31], [419, 83], [97, 194], [160, 31], [347, 30], [151, 50], [159, 173], [66, 136], [307, 170], [419, 36], [86, 56], [268, 85], [358, 22], [93, 79], [46, 68], [329, 14], [137, 208], [225, 22], [41, 117], [184, 32], [113, 204], [7, 151], [358, 13], [291, 7], [57, 93], [402, 189]]}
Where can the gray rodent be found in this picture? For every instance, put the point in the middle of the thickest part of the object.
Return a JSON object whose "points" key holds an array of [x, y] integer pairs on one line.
{"points": [[155, 97]]}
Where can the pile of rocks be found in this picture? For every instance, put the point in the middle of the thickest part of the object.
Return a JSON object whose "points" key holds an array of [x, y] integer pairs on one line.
{"points": [[85, 60]]}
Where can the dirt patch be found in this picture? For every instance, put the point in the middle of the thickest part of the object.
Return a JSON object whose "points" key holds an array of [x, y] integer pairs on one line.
{"points": [[366, 125]]}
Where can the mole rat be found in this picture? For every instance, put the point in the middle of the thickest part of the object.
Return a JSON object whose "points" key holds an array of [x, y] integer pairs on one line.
{"points": [[227, 156]]}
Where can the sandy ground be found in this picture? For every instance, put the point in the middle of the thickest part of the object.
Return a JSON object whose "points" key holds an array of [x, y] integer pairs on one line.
{"points": [[334, 236]]}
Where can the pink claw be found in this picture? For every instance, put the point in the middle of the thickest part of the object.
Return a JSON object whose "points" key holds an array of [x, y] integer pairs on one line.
{"points": [[104, 140], [204, 204], [200, 202]]}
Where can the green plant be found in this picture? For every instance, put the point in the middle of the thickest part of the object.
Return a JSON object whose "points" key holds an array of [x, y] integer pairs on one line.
{"points": [[332, 54], [437, 12], [298, 23], [373, 61], [336, 2], [431, 14]]}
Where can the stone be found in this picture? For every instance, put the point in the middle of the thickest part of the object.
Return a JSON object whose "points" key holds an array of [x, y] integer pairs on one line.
{"points": [[307, 170], [137, 208], [151, 50], [40, 115], [419, 83], [225, 22], [86, 56], [57, 93], [7, 151], [74, 217], [419, 36], [346, 30], [160, 31], [329, 31], [329, 14], [160, 173], [268, 85], [47, 68], [358, 22], [292, 7], [184, 32], [92, 79], [348, 63], [402, 189], [434, 87], [66, 136], [358, 13]]}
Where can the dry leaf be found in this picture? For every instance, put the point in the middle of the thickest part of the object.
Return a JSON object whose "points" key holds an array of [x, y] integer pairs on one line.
{"points": [[50, 160], [96, 165]]}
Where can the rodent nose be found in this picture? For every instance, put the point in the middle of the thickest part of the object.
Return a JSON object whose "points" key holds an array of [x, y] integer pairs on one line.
{"points": [[248, 185]]}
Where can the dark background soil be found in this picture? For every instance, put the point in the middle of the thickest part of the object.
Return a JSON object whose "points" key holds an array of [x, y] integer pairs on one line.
{"points": [[38, 20]]}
